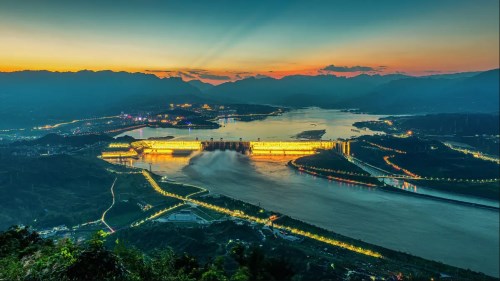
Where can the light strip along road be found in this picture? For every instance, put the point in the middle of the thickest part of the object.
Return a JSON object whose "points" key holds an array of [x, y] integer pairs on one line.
{"points": [[242, 215], [112, 204]]}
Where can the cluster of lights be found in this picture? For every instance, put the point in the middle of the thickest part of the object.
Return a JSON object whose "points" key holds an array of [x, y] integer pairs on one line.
{"points": [[407, 186], [242, 215]]}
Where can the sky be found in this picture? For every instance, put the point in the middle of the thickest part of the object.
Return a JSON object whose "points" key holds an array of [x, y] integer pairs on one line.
{"points": [[220, 41]]}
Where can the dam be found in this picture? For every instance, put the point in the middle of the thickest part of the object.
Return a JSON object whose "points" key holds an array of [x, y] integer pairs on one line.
{"points": [[158, 147]]}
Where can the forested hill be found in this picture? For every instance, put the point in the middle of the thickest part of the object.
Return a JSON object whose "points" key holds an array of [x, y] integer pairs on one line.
{"points": [[385, 94], [30, 98]]}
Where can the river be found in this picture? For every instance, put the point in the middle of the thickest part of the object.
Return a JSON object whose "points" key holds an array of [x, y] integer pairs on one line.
{"points": [[455, 234]]}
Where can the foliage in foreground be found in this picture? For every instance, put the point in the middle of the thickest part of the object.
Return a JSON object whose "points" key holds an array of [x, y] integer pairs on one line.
{"points": [[24, 255]]}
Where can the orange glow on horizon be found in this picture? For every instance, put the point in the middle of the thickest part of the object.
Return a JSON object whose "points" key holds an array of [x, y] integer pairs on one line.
{"points": [[234, 75]]}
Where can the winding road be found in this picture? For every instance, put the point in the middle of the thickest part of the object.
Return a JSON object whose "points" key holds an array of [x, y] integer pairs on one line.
{"points": [[112, 204]]}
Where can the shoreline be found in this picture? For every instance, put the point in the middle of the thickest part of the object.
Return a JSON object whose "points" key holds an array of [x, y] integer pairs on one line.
{"points": [[389, 188], [387, 253]]}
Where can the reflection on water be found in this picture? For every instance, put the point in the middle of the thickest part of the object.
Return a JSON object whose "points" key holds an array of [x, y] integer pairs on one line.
{"points": [[455, 234], [458, 235], [426, 190], [337, 125]]}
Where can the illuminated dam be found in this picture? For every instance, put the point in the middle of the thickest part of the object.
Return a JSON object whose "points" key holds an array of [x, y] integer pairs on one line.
{"points": [[155, 147]]}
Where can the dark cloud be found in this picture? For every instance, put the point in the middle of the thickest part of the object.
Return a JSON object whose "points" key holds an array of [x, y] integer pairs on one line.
{"points": [[433, 71], [186, 75], [159, 70], [197, 71], [356, 68], [214, 77], [260, 76], [198, 74]]}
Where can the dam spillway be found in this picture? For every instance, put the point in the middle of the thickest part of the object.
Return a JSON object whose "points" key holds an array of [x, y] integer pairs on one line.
{"points": [[157, 147]]}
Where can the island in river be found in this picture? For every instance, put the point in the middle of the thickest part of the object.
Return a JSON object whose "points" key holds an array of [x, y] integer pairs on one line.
{"points": [[310, 135]]}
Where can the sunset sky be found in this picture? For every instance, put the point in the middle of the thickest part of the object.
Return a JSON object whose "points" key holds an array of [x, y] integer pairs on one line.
{"points": [[219, 41]]}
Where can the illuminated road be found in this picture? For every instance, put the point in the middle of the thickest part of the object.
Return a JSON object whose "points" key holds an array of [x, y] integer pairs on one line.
{"points": [[48, 127], [409, 175], [112, 204], [242, 215], [476, 154]]}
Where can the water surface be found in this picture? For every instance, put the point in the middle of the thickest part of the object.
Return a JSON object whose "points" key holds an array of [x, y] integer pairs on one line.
{"points": [[458, 235]]}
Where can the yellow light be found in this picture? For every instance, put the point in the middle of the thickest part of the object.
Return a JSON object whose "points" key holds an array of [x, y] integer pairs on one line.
{"points": [[242, 215], [166, 147], [118, 145], [289, 147], [119, 154]]}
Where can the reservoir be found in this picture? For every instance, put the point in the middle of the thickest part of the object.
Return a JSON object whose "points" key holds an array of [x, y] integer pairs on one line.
{"points": [[459, 235]]}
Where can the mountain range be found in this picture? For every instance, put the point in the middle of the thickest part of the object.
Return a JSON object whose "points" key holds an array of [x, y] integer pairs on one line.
{"points": [[30, 98], [386, 94]]}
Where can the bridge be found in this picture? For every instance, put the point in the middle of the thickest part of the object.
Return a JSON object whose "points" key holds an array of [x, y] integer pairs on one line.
{"points": [[155, 147]]}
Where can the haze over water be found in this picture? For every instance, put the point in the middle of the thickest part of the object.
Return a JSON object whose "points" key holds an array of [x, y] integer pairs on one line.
{"points": [[458, 235]]}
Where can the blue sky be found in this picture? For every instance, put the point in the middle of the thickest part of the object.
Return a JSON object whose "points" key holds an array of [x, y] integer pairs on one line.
{"points": [[259, 37]]}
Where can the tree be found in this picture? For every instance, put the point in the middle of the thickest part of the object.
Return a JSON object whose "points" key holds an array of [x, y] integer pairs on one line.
{"points": [[238, 253], [96, 262], [242, 274], [213, 274]]}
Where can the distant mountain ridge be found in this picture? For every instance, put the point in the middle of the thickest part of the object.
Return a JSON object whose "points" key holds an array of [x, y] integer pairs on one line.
{"points": [[299, 90], [479, 93], [30, 98], [387, 94], [202, 86]]}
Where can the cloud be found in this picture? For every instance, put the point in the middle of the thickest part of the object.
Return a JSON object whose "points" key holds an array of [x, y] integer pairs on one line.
{"points": [[186, 75], [214, 77], [356, 68], [159, 70], [433, 71], [197, 71]]}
